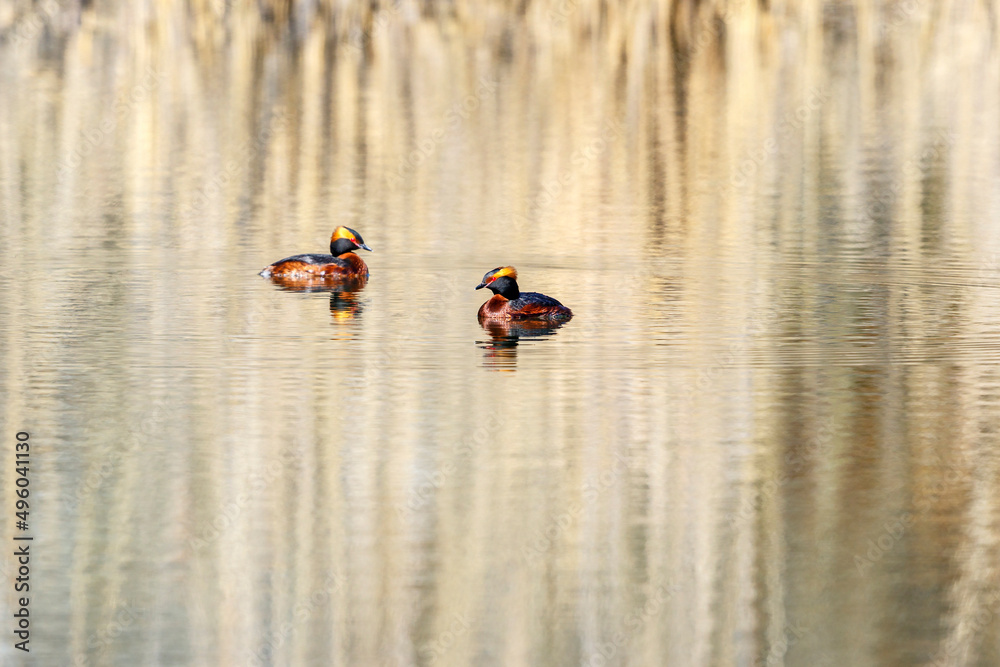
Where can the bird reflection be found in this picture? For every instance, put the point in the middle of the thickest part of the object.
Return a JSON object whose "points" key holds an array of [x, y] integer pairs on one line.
{"points": [[500, 352], [344, 303]]}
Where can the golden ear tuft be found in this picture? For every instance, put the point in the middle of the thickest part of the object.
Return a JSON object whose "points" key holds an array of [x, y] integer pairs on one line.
{"points": [[508, 271], [342, 233]]}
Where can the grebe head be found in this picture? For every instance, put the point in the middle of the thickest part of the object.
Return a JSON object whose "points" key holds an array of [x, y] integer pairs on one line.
{"points": [[345, 239], [503, 281]]}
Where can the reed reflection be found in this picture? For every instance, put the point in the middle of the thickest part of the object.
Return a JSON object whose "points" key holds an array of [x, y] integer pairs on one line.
{"points": [[500, 352], [345, 306], [789, 319]]}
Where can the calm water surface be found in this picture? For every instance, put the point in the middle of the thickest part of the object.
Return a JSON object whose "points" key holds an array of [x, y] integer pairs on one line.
{"points": [[769, 435]]}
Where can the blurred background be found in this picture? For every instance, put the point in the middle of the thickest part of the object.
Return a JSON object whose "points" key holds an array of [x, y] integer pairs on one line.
{"points": [[769, 436]]}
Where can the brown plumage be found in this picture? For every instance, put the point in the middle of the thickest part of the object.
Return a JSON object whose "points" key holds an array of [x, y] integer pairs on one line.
{"points": [[341, 263], [510, 303]]}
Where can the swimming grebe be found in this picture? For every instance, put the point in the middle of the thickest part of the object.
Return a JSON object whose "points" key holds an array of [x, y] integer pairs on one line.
{"points": [[340, 263], [510, 303]]}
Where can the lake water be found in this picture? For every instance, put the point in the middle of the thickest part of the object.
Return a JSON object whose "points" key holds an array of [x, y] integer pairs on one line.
{"points": [[768, 436]]}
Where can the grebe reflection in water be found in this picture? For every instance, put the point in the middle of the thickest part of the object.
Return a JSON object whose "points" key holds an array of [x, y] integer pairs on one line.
{"points": [[345, 304], [505, 336]]}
